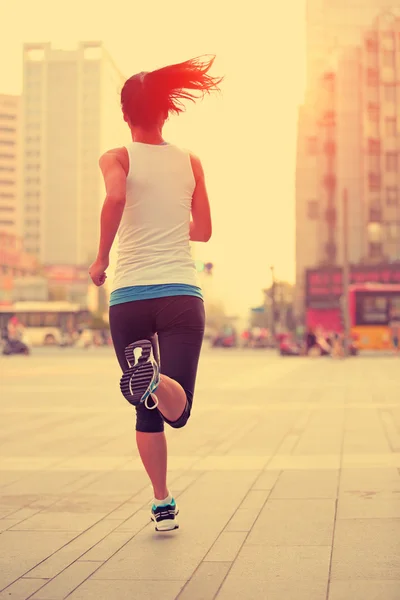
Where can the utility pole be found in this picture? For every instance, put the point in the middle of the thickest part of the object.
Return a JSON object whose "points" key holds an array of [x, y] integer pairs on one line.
{"points": [[346, 272], [273, 302]]}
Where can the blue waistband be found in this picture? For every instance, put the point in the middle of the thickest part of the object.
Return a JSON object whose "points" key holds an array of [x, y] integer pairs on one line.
{"points": [[148, 292]]}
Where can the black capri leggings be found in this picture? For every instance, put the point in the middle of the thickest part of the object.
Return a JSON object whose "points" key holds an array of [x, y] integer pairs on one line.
{"points": [[178, 322]]}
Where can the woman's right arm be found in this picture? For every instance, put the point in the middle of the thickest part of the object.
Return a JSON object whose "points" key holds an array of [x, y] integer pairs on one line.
{"points": [[200, 225]]}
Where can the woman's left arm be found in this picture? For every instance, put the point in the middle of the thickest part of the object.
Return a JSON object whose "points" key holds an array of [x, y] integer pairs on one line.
{"points": [[114, 175]]}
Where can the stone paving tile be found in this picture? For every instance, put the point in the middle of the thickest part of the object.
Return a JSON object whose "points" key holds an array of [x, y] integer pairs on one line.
{"points": [[205, 582], [366, 549], [266, 480], [256, 589], [226, 547], [73, 550], [22, 589], [279, 564], [95, 589], [368, 506], [307, 484], [384, 482], [242, 520], [255, 500], [364, 590], [7, 524], [136, 522], [102, 551], [59, 521], [23, 550], [59, 587], [293, 522]]}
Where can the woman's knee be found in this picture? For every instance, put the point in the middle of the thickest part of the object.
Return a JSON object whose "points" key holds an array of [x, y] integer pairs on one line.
{"points": [[148, 421], [182, 420]]}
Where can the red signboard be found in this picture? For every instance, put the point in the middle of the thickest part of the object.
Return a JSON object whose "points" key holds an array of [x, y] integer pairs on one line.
{"points": [[325, 286]]}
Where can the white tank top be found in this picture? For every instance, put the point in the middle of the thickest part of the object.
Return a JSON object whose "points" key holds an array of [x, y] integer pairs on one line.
{"points": [[153, 237]]}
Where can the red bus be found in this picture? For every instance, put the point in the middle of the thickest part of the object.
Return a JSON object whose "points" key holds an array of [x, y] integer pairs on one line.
{"points": [[371, 308]]}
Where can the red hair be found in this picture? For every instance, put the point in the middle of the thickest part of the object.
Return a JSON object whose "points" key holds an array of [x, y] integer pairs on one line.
{"points": [[147, 95]]}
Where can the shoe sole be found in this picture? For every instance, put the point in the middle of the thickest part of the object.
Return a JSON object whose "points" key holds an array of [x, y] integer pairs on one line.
{"points": [[138, 377]]}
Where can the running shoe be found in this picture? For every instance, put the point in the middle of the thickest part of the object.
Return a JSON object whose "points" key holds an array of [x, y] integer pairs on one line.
{"points": [[142, 378], [165, 516]]}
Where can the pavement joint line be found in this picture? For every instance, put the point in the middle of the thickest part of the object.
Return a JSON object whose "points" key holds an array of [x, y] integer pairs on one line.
{"points": [[339, 479]]}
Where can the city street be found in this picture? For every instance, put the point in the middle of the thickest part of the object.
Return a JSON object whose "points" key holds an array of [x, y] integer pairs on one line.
{"points": [[287, 478]]}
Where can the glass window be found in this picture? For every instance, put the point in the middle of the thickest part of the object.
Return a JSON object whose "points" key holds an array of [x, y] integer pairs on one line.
{"points": [[375, 250], [51, 320], [391, 161], [371, 309], [374, 232], [372, 77], [373, 111]]}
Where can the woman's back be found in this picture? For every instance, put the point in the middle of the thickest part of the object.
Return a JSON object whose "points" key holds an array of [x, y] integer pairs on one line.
{"points": [[154, 246]]}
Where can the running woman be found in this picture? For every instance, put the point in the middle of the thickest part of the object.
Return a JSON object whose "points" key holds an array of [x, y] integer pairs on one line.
{"points": [[156, 200]]}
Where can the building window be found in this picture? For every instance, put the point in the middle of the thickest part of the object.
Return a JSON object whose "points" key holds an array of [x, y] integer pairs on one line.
{"points": [[7, 169], [7, 129], [7, 143], [7, 117], [372, 77], [392, 196], [7, 208], [6, 223], [374, 232], [7, 155], [313, 209], [374, 146], [373, 111], [374, 181], [375, 250], [391, 161], [371, 43], [390, 93], [391, 126], [6, 182]]}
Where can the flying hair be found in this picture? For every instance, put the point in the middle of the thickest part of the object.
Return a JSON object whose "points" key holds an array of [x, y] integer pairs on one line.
{"points": [[148, 95]]}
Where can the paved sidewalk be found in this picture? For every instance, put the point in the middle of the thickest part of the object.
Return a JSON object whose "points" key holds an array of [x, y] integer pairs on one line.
{"points": [[287, 478]]}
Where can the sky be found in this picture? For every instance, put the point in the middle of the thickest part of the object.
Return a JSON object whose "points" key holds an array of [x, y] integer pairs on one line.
{"points": [[245, 136]]}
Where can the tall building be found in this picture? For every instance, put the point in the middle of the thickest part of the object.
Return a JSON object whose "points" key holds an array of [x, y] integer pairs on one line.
{"points": [[71, 115], [10, 147], [349, 138], [335, 24]]}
